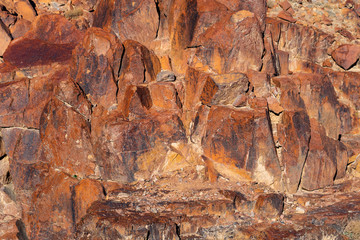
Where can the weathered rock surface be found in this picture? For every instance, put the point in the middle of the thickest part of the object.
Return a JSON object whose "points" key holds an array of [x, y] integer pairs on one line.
{"points": [[200, 119]]}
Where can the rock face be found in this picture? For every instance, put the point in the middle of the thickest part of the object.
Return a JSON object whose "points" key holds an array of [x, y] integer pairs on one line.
{"points": [[199, 119]]}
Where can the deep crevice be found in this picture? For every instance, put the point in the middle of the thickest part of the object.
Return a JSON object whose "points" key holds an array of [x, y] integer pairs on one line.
{"points": [[335, 175], [148, 235], [121, 60], [339, 137], [144, 80], [277, 114], [22, 230], [7, 178], [2, 157], [104, 190], [195, 46], [159, 14], [177, 227], [32, 3]]}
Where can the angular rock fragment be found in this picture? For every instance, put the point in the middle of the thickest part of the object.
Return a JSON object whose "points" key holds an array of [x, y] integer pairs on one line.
{"points": [[5, 38], [24, 52], [165, 76], [346, 55], [286, 16], [14, 98], [24, 8], [20, 28], [230, 86], [303, 43], [320, 168], [241, 140], [269, 205], [122, 148]]}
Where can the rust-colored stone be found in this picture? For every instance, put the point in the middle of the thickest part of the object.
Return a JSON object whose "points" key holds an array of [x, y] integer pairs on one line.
{"points": [[286, 16], [24, 8], [24, 52], [14, 97], [320, 168], [5, 38], [294, 136], [269, 205], [85, 193], [65, 135], [234, 44], [52, 202], [346, 55], [137, 20], [230, 139], [20, 28], [96, 63]]}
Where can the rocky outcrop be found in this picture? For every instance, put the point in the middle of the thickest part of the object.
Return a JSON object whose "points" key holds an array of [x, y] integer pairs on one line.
{"points": [[178, 120]]}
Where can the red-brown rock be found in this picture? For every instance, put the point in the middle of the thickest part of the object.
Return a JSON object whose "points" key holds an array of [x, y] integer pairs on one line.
{"points": [[65, 135], [20, 28], [294, 136], [303, 43], [14, 97], [258, 7], [25, 9], [234, 44], [320, 168], [346, 55], [137, 20], [241, 139], [53, 204], [51, 39], [286, 16], [54, 29], [96, 63], [269, 205], [5, 37], [123, 147], [200, 88], [24, 52], [85, 193]]}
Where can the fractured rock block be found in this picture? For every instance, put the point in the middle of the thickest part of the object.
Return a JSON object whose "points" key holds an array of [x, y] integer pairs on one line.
{"points": [[65, 135], [5, 38], [294, 136], [233, 44], [137, 20], [24, 8], [320, 168], [269, 205], [53, 204], [346, 55], [241, 140], [96, 64], [85, 193]]}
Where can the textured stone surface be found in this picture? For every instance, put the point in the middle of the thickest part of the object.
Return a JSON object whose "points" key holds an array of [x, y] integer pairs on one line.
{"points": [[346, 55], [200, 119], [5, 38], [237, 38], [95, 66]]}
